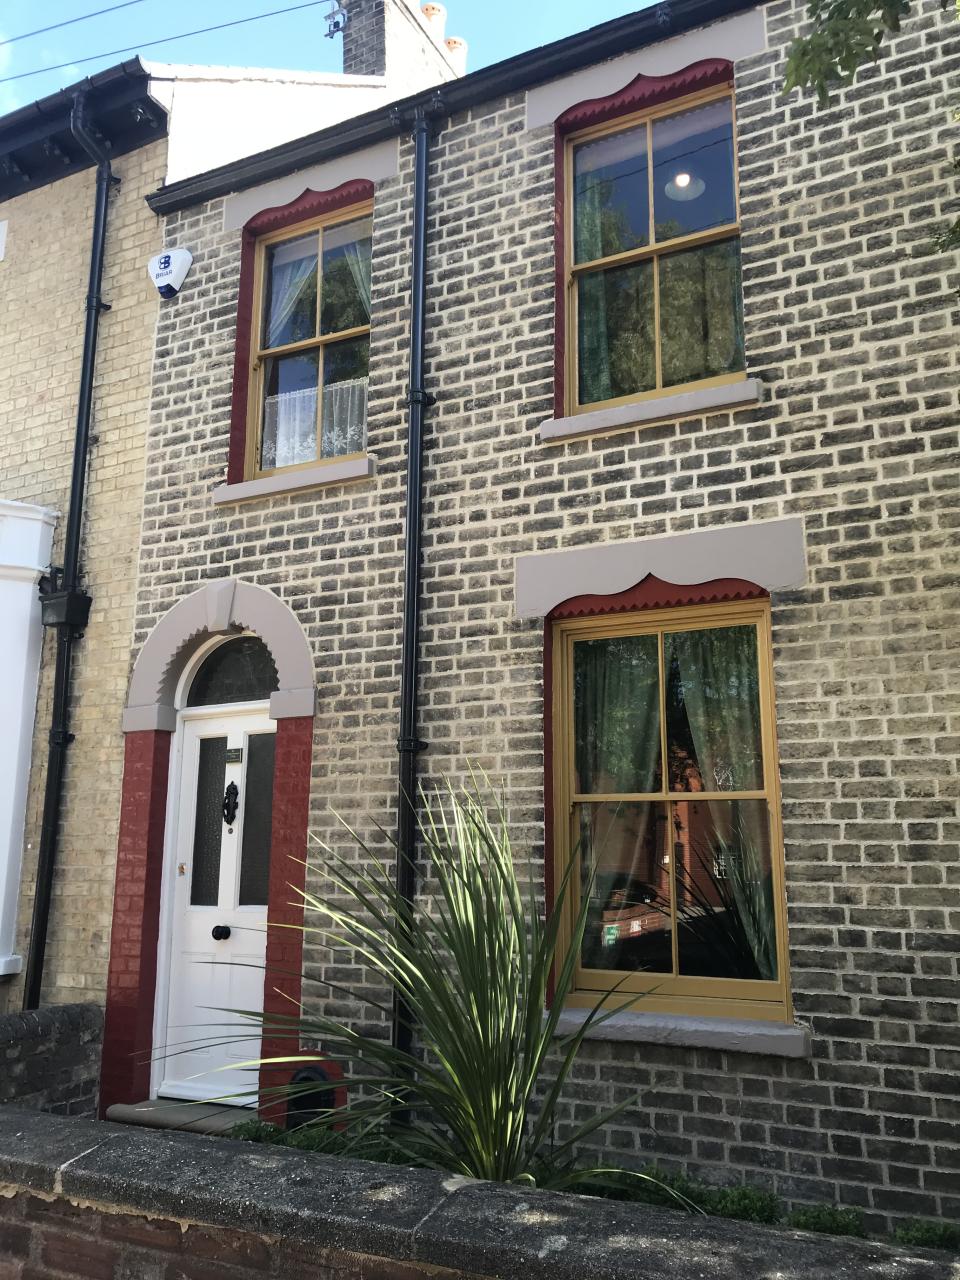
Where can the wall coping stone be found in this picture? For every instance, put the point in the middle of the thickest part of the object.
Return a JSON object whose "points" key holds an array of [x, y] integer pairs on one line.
{"points": [[418, 1215]]}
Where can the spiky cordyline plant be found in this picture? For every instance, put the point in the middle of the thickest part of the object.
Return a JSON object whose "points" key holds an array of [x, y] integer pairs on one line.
{"points": [[482, 1096]]}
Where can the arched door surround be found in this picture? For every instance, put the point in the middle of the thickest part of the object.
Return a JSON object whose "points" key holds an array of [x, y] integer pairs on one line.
{"points": [[222, 608]]}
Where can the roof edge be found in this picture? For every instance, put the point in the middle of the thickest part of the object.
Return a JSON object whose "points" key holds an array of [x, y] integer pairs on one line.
{"points": [[36, 144], [535, 66]]}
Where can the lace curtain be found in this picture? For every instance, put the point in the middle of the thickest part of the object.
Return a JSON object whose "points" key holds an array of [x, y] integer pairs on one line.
{"points": [[290, 428], [290, 424], [344, 418]]}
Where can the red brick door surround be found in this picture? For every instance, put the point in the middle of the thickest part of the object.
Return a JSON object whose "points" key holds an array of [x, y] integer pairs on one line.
{"points": [[135, 937], [150, 720]]}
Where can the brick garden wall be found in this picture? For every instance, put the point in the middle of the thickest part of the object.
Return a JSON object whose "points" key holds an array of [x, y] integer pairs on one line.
{"points": [[50, 1059], [89, 1201], [46, 1239], [850, 323], [43, 282]]}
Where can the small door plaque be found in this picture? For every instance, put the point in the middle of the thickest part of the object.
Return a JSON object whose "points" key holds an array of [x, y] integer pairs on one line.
{"points": [[234, 755]]}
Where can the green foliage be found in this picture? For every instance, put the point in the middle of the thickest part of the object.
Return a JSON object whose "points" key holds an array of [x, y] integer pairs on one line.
{"points": [[320, 1139], [474, 968], [257, 1131], [933, 1235], [830, 1219], [745, 1203], [748, 1204], [846, 35]]}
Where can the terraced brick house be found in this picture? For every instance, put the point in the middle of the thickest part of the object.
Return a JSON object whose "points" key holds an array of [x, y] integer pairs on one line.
{"points": [[591, 419], [76, 354]]}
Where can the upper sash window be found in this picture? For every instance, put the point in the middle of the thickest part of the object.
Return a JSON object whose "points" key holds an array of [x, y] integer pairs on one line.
{"points": [[653, 292], [310, 349]]}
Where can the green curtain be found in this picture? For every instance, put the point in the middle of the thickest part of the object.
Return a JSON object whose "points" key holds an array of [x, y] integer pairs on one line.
{"points": [[617, 714], [617, 750], [719, 679], [718, 670]]}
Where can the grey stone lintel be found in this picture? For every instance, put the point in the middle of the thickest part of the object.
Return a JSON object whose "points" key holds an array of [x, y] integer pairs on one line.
{"points": [[769, 553], [685, 404], [323, 473], [421, 1216], [768, 1039]]}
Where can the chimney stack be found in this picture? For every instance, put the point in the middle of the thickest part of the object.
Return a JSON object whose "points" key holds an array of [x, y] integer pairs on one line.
{"points": [[401, 42]]}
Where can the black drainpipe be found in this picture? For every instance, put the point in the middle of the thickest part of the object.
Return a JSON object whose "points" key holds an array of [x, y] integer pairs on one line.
{"points": [[409, 744], [65, 605]]}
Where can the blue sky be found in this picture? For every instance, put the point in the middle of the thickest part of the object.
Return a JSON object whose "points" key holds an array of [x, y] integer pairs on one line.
{"points": [[494, 29]]}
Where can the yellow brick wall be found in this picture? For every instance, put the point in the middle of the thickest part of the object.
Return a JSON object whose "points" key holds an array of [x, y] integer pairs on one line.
{"points": [[43, 282]]}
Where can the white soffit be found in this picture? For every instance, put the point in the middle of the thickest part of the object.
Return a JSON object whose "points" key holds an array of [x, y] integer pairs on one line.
{"points": [[769, 553], [740, 36], [371, 163]]}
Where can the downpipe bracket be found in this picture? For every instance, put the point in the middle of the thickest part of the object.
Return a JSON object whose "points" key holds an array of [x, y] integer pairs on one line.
{"points": [[411, 746]]}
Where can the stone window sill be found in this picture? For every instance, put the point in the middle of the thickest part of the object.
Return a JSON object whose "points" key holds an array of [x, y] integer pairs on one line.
{"points": [[688, 403], [767, 1039], [321, 475]]}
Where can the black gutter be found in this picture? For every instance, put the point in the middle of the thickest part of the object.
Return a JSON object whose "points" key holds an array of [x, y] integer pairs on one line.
{"points": [[66, 606], [38, 146], [58, 107], [408, 743], [513, 75]]}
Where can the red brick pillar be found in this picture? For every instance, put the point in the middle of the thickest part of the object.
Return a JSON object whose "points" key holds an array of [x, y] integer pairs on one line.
{"points": [[131, 982], [288, 849]]}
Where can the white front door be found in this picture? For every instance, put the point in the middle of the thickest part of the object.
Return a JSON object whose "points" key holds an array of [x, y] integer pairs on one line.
{"points": [[216, 891]]}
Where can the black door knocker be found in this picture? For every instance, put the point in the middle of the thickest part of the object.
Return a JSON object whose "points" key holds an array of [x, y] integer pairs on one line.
{"points": [[231, 802]]}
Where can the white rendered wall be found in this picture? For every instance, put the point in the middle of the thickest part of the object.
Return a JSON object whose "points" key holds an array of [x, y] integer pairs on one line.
{"points": [[26, 533], [220, 114]]}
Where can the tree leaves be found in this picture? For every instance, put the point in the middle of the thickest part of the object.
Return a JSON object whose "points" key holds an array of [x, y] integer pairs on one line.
{"points": [[846, 35]]}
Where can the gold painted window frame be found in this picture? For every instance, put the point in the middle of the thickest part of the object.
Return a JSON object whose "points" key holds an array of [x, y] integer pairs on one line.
{"points": [[757, 999], [260, 354], [653, 251]]}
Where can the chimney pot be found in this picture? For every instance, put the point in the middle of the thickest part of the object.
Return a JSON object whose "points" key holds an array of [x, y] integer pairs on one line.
{"points": [[457, 53], [436, 16]]}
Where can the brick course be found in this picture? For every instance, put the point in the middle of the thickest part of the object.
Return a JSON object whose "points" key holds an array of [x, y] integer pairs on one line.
{"points": [[45, 1239], [850, 324]]}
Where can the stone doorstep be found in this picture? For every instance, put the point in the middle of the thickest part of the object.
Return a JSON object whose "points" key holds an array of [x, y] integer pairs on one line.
{"points": [[187, 1117], [418, 1215]]}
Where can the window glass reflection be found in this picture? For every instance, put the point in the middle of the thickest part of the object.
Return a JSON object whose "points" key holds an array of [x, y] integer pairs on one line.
{"points": [[628, 926], [725, 904], [693, 170]]}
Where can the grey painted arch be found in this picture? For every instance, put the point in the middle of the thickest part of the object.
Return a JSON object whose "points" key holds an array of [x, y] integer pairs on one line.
{"points": [[216, 609], [769, 553]]}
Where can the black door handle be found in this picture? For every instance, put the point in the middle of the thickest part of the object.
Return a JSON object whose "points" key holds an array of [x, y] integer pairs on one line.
{"points": [[220, 932]]}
